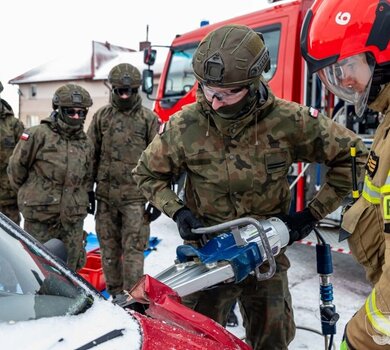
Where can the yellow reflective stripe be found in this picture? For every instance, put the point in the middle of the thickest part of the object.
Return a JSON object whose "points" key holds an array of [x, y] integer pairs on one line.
{"points": [[373, 193], [378, 321], [385, 188], [343, 345], [372, 187]]}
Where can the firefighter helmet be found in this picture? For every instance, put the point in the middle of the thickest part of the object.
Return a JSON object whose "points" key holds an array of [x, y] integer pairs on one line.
{"points": [[231, 55], [71, 95], [356, 38], [125, 75]]}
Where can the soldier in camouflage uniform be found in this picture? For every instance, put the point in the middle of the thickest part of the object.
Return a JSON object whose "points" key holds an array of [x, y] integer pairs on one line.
{"points": [[10, 131], [237, 143], [120, 132], [51, 168], [355, 65]]}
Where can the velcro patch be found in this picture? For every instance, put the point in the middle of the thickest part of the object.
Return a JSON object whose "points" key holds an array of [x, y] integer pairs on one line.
{"points": [[386, 207], [25, 136], [313, 112], [372, 164]]}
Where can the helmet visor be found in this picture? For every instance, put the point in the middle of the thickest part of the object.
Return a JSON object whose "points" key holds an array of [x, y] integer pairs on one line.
{"points": [[350, 79]]}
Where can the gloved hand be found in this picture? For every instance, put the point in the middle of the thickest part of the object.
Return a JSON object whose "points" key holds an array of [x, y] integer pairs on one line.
{"points": [[186, 221], [300, 224], [151, 212], [92, 204]]}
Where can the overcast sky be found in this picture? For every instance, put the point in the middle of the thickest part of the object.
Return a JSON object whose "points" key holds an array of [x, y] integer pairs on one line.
{"points": [[35, 32]]}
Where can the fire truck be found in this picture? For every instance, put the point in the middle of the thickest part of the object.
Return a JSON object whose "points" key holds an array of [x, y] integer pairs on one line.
{"points": [[280, 23]]}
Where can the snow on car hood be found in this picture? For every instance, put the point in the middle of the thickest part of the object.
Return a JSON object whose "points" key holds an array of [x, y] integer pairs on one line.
{"points": [[71, 332]]}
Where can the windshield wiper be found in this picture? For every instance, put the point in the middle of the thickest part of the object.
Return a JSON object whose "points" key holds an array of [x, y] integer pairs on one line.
{"points": [[106, 337]]}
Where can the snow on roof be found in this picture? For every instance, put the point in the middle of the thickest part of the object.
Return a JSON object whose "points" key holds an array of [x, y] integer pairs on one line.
{"points": [[71, 67]]}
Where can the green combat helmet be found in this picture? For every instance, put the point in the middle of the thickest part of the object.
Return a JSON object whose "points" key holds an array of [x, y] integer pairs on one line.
{"points": [[71, 95], [125, 75], [232, 55]]}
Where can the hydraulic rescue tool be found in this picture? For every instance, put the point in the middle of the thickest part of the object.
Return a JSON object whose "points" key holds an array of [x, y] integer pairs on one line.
{"points": [[242, 247]]}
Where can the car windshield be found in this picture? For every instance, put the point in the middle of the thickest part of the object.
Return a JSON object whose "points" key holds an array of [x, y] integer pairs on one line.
{"points": [[32, 284], [180, 76]]}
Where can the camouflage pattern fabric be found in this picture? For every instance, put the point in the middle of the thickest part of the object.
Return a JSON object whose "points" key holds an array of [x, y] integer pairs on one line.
{"points": [[121, 244], [71, 236], [119, 138], [258, 302], [10, 130], [238, 168], [51, 168]]}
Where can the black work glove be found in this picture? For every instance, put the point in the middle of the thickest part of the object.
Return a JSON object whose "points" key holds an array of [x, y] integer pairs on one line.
{"points": [[92, 204], [300, 224], [186, 221], [152, 212]]}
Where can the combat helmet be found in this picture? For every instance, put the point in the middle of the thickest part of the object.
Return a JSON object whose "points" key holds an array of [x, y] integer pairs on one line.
{"points": [[68, 97], [71, 95], [231, 55], [125, 75]]}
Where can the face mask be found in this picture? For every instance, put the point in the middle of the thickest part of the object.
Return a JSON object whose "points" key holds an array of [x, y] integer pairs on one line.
{"points": [[236, 110], [124, 103]]}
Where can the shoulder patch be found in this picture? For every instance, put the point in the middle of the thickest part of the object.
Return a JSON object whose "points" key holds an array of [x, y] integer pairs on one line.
{"points": [[25, 136], [313, 112], [372, 164]]}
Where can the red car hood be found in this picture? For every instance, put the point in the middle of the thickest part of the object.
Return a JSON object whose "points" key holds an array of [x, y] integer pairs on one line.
{"points": [[182, 328]]}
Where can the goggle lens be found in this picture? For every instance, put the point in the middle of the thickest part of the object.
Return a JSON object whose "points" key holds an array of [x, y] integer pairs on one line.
{"points": [[71, 112], [122, 91]]}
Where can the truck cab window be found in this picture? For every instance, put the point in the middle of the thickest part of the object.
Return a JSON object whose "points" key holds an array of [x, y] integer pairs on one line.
{"points": [[180, 78]]}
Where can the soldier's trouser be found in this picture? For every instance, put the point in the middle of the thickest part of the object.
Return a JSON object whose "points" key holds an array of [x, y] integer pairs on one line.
{"points": [[11, 211], [265, 307], [71, 236], [121, 244]]}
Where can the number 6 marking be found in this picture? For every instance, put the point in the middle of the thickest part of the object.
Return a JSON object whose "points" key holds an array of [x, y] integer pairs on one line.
{"points": [[343, 18]]}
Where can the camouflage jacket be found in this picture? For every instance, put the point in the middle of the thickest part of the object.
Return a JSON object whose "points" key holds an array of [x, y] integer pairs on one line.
{"points": [[119, 138], [10, 130], [239, 168], [52, 172]]}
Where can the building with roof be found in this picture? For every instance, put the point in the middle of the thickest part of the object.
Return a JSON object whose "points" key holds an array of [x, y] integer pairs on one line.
{"points": [[88, 69]]}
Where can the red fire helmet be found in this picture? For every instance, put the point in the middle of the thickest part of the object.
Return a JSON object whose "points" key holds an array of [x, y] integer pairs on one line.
{"points": [[334, 30], [347, 43]]}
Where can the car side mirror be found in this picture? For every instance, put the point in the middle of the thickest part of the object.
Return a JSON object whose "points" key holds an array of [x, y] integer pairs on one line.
{"points": [[150, 56], [147, 81]]}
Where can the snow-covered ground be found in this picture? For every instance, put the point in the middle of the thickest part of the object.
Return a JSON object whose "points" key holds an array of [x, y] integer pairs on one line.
{"points": [[350, 288]]}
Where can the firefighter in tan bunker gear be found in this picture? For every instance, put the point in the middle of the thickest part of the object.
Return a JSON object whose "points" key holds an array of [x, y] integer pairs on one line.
{"points": [[51, 169], [120, 132], [237, 143], [10, 130], [352, 58]]}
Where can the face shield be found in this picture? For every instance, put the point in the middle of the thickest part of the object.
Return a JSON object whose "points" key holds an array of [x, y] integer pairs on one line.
{"points": [[350, 79]]}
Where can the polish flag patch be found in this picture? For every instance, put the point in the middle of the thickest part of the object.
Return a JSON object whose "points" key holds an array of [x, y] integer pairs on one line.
{"points": [[25, 136]]}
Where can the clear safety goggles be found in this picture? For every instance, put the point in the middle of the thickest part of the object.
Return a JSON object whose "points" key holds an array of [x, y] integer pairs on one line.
{"points": [[226, 95], [350, 79]]}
